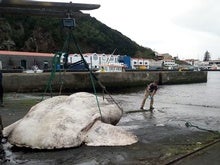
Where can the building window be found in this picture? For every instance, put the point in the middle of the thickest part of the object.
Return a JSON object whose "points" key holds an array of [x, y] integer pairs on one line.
{"points": [[100, 60], [103, 57], [95, 57], [111, 58], [24, 64], [46, 66]]}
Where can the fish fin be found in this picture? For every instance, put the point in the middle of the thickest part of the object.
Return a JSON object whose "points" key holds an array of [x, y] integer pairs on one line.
{"points": [[7, 130], [102, 134]]}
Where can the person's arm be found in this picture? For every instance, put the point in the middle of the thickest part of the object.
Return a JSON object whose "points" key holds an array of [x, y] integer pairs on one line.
{"points": [[153, 93], [147, 88]]}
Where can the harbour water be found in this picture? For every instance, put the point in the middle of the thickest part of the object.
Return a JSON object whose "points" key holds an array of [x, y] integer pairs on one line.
{"points": [[177, 104], [174, 106]]}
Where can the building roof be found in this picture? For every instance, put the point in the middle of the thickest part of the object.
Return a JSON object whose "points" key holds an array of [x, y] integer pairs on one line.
{"points": [[16, 53]]}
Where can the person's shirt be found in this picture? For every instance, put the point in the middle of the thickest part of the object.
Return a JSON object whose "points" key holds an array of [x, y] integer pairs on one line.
{"points": [[152, 87]]}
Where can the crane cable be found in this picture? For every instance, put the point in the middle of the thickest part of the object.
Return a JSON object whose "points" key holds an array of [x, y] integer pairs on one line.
{"points": [[93, 77], [189, 124], [56, 60]]}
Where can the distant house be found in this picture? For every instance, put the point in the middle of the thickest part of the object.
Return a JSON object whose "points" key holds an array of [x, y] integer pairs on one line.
{"points": [[217, 62], [192, 62], [94, 60], [169, 64], [164, 56], [167, 61], [140, 63], [155, 65], [25, 60]]}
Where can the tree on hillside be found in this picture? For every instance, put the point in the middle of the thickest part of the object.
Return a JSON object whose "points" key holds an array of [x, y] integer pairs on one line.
{"points": [[207, 56], [45, 34]]}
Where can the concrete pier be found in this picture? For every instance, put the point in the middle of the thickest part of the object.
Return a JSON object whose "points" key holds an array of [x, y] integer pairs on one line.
{"points": [[80, 81]]}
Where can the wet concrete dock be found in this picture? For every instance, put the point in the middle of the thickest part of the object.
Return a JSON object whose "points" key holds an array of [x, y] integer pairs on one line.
{"points": [[163, 136]]}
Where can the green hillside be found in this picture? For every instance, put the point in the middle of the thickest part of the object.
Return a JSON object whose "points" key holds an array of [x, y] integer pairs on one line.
{"points": [[46, 34]]}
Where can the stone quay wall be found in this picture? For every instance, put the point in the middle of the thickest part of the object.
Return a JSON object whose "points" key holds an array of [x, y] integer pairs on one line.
{"points": [[81, 81]]}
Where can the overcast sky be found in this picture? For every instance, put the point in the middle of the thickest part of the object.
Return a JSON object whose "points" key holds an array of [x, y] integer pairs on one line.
{"points": [[183, 28]]}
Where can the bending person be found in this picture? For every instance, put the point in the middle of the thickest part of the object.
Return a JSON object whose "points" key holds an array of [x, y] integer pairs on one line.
{"points": [[150, 91]]}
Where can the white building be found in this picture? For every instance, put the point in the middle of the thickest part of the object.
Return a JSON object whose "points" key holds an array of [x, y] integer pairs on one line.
{"points": [[140, 63], [169, 64], [155, 64], [73, 58], [96, 61]]}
